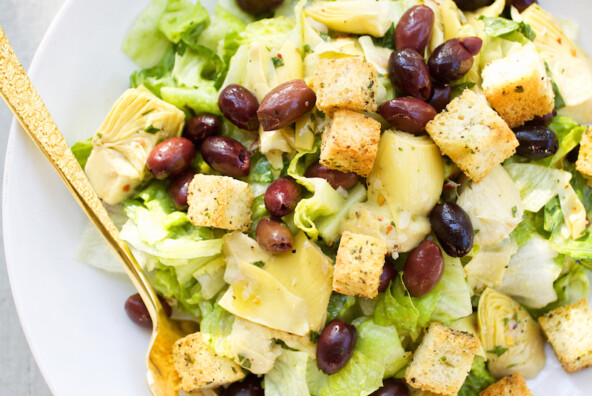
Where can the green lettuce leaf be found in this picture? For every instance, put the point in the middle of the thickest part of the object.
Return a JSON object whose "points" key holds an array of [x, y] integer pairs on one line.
{"points": [[288, 376], [223, 29], [477, 380], [342, 307], [82, 150], [330, 227], [455, 294], [182, 19], [508, 30], [569, 135], [215, 327]]}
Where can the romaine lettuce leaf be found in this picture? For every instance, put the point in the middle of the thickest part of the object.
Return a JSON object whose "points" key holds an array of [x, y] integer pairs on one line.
{"points": [[82, 150], [288, 376], [183, 20], [508, 29], [330, 227], [477, 380], [215, 327], [569, 135], [454, 300], [224, 27]]}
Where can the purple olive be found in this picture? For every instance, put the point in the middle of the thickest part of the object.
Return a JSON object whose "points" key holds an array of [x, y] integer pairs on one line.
{"points": [[250, 386], [423, 269], [179, 187], [282, 196], [284, 104], [415, 28], [335, 178], [387, 275], [407, 114], [536, 141], [453, 228], [452, 60], [170, 157], [409, 72], [335, 346], [138, 313], [522, 5], [441, 96], [573, 155], [391, 387], [258, 7], [200, 127], [239, 106], [274, 236], [543, 120], [472, 5], [226, 155]]}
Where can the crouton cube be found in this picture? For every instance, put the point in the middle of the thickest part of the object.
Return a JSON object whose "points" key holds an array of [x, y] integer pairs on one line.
{"points": [[584, 162], [200, 368], [513, 385], [350, 142], [346, 83], [220, 202], [568, 331], [474, 136], [358, 265], [518, 86], [443, 360]]}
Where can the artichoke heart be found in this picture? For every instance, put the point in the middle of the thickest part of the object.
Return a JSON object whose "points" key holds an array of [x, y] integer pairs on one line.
{"points": [[357, 16], [408, 174], [135, 124], [509, 335]]}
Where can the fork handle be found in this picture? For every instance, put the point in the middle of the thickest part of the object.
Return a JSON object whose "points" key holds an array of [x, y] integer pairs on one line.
{"points": [[17, 90]]}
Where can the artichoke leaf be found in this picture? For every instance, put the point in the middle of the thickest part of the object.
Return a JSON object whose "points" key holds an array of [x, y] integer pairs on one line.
{"points": [[356, 16], [487, 267], [509, 335]]}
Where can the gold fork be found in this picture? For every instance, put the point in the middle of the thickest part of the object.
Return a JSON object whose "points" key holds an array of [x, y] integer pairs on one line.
{"points": [[22, 98]]}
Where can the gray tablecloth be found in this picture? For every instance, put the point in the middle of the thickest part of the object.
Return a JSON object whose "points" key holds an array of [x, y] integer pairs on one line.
{"points": [[25, 23]]}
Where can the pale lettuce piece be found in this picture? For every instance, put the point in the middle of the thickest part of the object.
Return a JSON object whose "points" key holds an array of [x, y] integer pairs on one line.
{"points": [[493, 205], [455, 295], [288, 376], [331, 227], [234, 9], [252, 347], [271, 32], [361, 376], [487, 267], [216, 35], [574, 212], [145, 44], [324, 202], [537, 184], [201, 99], [215, 328], [531, 273], [383, 344], [182, 19], [356, 16], [211, 277], [376, 56]]}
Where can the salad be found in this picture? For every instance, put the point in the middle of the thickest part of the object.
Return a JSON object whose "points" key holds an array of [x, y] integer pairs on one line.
{"points": [[356, 197]]}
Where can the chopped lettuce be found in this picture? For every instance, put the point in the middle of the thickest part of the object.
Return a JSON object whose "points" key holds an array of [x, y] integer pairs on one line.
{"points": [[478, 379], [288, 376], [183, 20], [331, 227], [82, 150], [454, 300], [569, 135], [215, 327], [508, 30]]}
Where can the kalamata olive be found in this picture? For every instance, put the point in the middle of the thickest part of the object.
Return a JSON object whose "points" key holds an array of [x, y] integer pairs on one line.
{"points": [[258, 7], [170, 157], [409, 72], [178, 189], [536, 141], [415, 28], [250, 386], [239, 106], [387, 275], [274, 236], [423, 269], [441, 96], [573, 155], [285, 104], [200, 127], [335, 346], [543, 120], [282, 196], [335, 178], [226, 155], [472, 44], [138, 313], [450, 61], [407, 114], [472, 5], [522, 5], [391, 387], [453, 228]]}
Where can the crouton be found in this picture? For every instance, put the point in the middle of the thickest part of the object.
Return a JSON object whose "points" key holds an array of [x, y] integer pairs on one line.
{"points": [[518, 86], [346, 83], [443, 360], [513, 385], [584, 162], [358, 265], [200, 368], [219, 201], [568, 331], [474, 136], [350, 142]]}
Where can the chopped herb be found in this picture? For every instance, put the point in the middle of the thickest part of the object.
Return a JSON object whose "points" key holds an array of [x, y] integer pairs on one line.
{"points": [[325, 36], [307, 49], [443, 359], [284, 346], [388, 40], [519, 89], [152, 130], [476, 232], [498, 351], [559, 101], [393, 224], [514, 211], [314, 337], [243, 361], [506, 321], [99, 135], [259, 264], [148, 112], [469, 184], [277, 61]]}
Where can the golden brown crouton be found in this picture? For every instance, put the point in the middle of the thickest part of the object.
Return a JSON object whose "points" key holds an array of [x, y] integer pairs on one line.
{"points": [[584, 162], [513, 385], [518, 86], [346, 83], [358, 265], [568, 331], [220, 202], [443, 360], [474, 136], [350, 142], [200, 368]]}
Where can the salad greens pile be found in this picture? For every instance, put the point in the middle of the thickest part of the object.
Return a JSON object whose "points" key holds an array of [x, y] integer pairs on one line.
{"points": [[188, 55]]}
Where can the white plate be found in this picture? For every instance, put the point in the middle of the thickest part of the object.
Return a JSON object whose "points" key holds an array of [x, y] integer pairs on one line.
{"points": [[72, 314]]}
